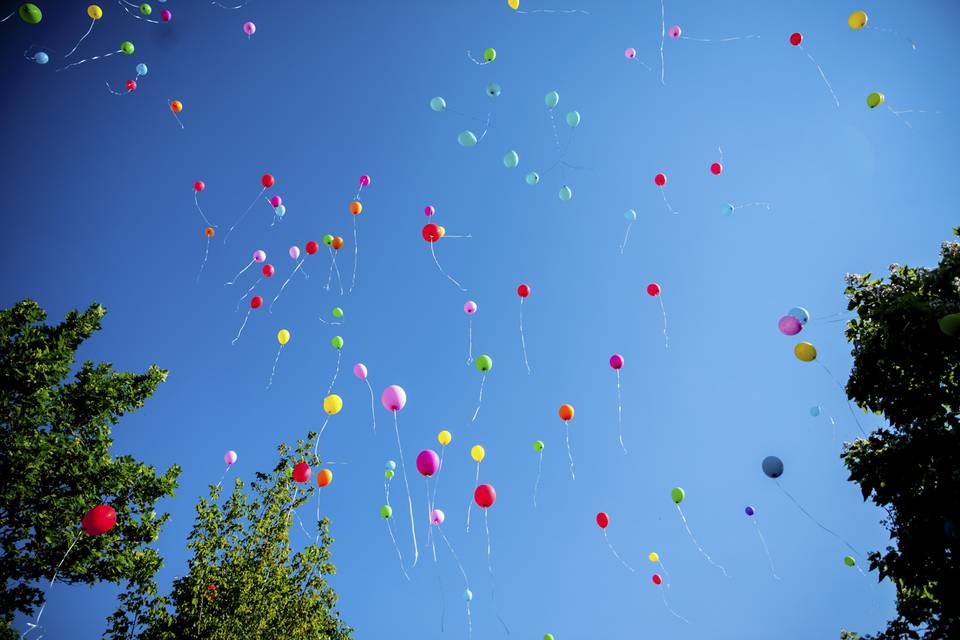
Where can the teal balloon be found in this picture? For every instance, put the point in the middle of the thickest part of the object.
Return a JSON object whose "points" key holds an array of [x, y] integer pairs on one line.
{"points": [[565, 193], [630, 215], [552, 99], [814, 411], [573, 119], [41, 58], [141, 69], [493, 89], [532, 178], [484, 363], [511, 159], [30, 13], [467, 139], [800, 314], [727, 210], [438, 104], [467, 595]]}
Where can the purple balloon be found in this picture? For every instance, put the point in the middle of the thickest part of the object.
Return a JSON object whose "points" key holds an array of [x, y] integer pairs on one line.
{"points": [[393, 398], [230, 457], [428, 462], [749, 511], [616, 361], [360, 370], [789, 326]]}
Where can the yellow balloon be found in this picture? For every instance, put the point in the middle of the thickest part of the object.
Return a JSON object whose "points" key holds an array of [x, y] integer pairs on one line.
{"points": [[332, 404], [444, 438], [513, 4], [477, 453], [857, 20], [805, 352], [283, 336], [441, 230], [94, 12], [654, 556]]}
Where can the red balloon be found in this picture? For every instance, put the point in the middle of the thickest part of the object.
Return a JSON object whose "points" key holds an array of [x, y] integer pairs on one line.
{"points": [[256, 302], [660, 179], [657, 579], [267, 270], [603, 520], [653, 289], [523, 290], [796, 39], [716, 168], [99, 520], [267, 181], [301, 472], [199, 186], [312, 247], [485, 495], [131, 85], [431, 232]]}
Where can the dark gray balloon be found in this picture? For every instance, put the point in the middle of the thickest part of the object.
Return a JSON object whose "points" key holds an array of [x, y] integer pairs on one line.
{"points": [[772, 466]]}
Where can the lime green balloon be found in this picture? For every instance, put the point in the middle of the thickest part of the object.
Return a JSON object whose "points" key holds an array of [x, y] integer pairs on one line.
{"points": [[875, 99], [328, 240], [950, 324], [538, 445], [849, 561], [511, 159], [532, 178], [388, 474], [493, 89], [490, 54], [484, 363], [30, 13], [146, 9], [127, 47], [386, 512], [337, 342], [467, 139], [565, 193], [289, 472], [573, 119], [337, 312], [438, 104], [548, 636], [678, 494], [552, 99]]}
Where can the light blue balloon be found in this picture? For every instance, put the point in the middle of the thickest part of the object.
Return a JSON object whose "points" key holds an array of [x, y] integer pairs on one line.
{"points": [[391, 465], [438, 104], [566, 193], [532, 178], [493, 89], [727, 210], [573, 119], [467, 595], [41, 58], [511, 159], [815, 411], [800, 314], [552, 99], [467, 139], [630, 215], [141, 69], [281, 210]]}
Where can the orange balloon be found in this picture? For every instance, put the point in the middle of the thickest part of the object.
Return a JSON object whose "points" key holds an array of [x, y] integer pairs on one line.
{"points": [[337, 243], [176, 106], [209, 232], [566, 412], [324, 477], [356, 207]]}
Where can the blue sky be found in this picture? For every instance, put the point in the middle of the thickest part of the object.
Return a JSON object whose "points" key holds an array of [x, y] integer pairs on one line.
{"points": [[99, 208]]}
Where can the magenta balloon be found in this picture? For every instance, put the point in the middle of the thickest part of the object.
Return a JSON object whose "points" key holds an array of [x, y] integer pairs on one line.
{"points": [[393, 398], [249, 28], [259, 255], [469, 307], [276, 201], [428, 462], [789, 326], [429, 210], [616, 361], [230, 457], [437, 517], [364, 180], [360, 370]]}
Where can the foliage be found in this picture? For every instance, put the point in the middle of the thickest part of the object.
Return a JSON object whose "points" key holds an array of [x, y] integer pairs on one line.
{"points": [[55, 462], [908, 369], [244, 579]]}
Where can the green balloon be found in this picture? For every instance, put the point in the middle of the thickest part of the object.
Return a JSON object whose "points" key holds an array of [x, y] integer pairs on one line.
{"points": [[573, 119], [566, 193], [538, 445], [493, 89], [874, 100], [328, 240], [337, 342], [484, 363], [552, 99], [548, 636], [532, 178], [678, 494], [337, 312], [289, 472], [388, 474], [146, 9], [950, 324], [438, 104], [30, 13], [849, 561], [386, 512], [127, 47], [467, 139], [490, 54], [511, 159]]}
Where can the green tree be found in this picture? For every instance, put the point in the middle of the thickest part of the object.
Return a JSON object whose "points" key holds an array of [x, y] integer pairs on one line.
{"points": [[55, 463], [907, 368], [244, 579]]}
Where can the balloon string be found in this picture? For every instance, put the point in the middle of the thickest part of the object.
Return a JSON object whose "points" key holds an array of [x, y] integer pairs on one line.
{"points": [[720, 149], [730, 39], [337, 269], [697, 544], [224, 475], [477, 62], [203, 263], [666, 339], [523, 340], [245, 318], [614, 552], [223, 6], [765, 205], [913, 44], [56, 571], [397, 547], [470, 504], [9, 16], [285, 283], [249, 291], [326, 287], [566, 428], [620, 413], [373, 411], [131, 13], [73, 64], [433, 547], [480, 399], [463, 573], [822, 75], [175, 116], [356, 252], [196, 201], [239, 273], [556, 134], [666, 578], [436, 481], [316, 444], [664, 598], [92, 22], [274, 370], [436, 262], [486, 127], [335, 373], [667, 202], [844, 391], [626, 236], [586, 13], [765, 549], [536, 485], [109, 88], [663, 35], [406, 484], [244, 215], [470, 341], [493, 584], [814, 520]]}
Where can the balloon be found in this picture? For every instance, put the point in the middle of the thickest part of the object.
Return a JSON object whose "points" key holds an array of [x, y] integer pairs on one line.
{"points": [[283, 336], [259, 255], [950, 324], [511, 159], [386, 512], [630, 53], [391, 465], [749, 511], [772, 466], [127, 47], [267, 180], [727, 210], [166, 15], [484, 363], [388, 474], [857, 20], [660, 179], [429, 210], [538, 445], [657, 579], [478, 453], [800, 314], [490, 54], [430, 232], [630, 215], [438, 104], [532, 178], [437, 517], [294, 252], [677, 494], [276, 201], [336, 342], [249, 28], [289, 472], [312, 247], [548, 636], [796, 39], [467, 139], [566, 412], [41, 58], [674, 31], [328, 240], [849, 561], [523, 290], [603, 520], [324, 477], [360, 371], [256, 302], [515, 4], [30, 13], [146, 9], [616, 361], [653, 289], [230, 457], [654, 556], [428, 462], [444, 438], [493, 90], [814, 411], [94, 12], [209, 232], [199, 186], [131, 85], [99, 520], [875, 99], [393, 398], [805, 352], [552, 99], [573, 119], [332, 404], [176, 106], [565, 193], [470, 307], [485, 496], [356, 207], [337, 312], [716, 168], [301, 472], [337, 243], [467, 595], [789, 326]]}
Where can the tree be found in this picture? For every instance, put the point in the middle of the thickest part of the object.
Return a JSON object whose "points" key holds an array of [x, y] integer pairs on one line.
{"points": [[244, 579], [906, 367], [55, 462]]}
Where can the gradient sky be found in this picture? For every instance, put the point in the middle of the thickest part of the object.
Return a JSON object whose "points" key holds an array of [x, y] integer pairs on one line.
{"points": [[98, 201]]}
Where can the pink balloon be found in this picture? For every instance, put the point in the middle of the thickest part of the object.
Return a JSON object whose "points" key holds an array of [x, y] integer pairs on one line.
{"points": [[230, 457], [259, 255], [393, 398], [630, 53], [437, 517], [360, 370], [616, 361], [166, 15], [275, 201], [294, 252], [364, 180], [249, 28], [429, 210], [428, 462], [469, 307], [675, 31], [789, 326]]}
